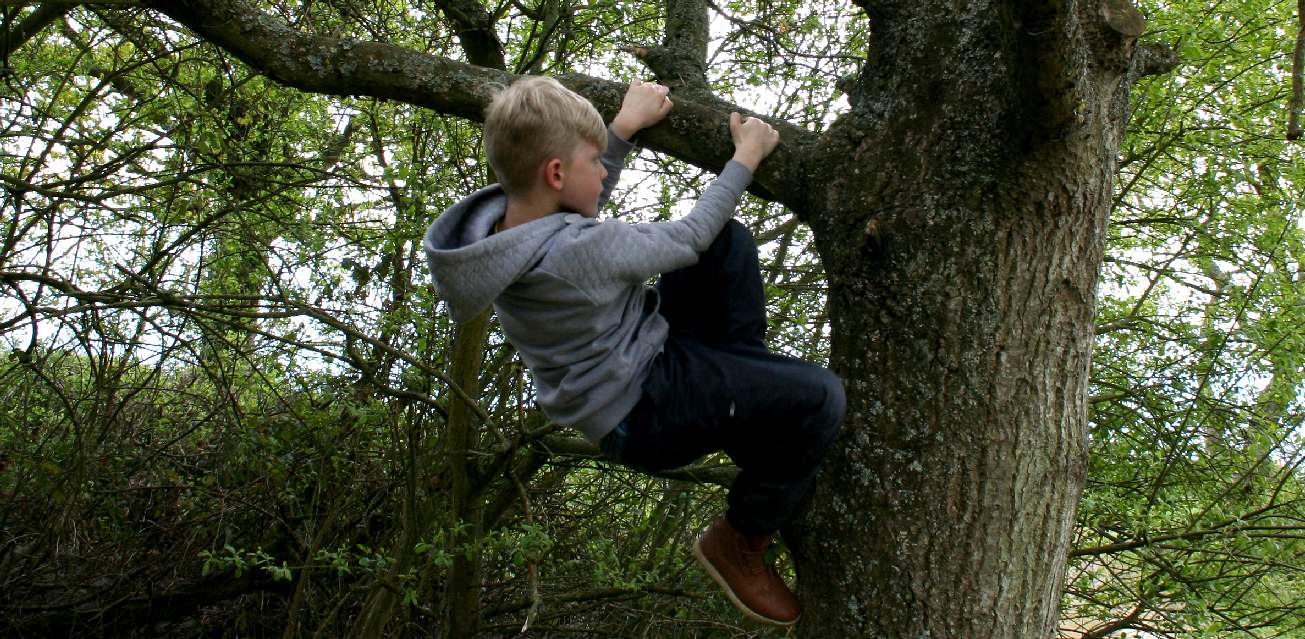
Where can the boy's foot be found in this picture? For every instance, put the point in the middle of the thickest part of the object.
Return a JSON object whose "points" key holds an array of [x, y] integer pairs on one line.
{"points": [[737, 563]]}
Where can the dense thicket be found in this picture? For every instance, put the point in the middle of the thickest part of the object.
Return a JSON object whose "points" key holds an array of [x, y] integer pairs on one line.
{"points": [[227, 398]]}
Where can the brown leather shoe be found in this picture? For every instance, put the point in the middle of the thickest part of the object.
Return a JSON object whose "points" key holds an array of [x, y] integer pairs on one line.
{"points": [[737, 563]]}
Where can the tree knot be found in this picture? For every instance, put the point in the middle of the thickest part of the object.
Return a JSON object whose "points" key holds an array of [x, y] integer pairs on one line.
{"points": [[1123, 18]]}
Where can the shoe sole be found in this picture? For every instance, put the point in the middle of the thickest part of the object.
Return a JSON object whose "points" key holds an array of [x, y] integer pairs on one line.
{"points": [[729, 592]]}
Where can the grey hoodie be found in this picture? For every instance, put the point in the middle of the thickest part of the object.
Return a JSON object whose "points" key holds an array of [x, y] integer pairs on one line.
{"points": [[569, 290]]}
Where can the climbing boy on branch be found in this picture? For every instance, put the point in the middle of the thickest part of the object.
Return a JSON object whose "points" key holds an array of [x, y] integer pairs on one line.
{"points": [[657, 377]]}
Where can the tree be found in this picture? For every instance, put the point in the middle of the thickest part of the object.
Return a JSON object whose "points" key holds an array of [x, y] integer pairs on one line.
{"points": [[958, 206], [960, 210]]}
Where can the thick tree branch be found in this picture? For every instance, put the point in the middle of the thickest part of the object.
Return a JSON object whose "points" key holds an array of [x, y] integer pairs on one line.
{"points": [[1062, 42], [32, 24], [681, 60], [1154, 59], [687, 30], [697, 131], [123, 615], [475, 29], [337, 66], [718, 474]]}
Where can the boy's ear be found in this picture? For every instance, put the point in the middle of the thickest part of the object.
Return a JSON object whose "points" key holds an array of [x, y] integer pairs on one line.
{"points": [[554, 174]]}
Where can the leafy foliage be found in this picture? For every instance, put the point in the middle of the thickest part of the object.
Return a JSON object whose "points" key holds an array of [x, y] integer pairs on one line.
{"points": [[225, 381], [1193, 513]]}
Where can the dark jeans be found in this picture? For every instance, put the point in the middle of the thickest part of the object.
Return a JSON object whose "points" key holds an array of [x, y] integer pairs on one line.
{"points": [[715, 387]]}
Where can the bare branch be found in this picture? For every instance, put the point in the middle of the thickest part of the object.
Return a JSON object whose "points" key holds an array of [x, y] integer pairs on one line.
{"points": [[697, 131], [718, 474], [1106, 629], [681, 60], [590, 595], [1243, 522], [19, 34], [475, 29]]}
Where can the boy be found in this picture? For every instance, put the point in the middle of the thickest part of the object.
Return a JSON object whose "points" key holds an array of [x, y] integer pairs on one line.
{"points": [[657, 377]]}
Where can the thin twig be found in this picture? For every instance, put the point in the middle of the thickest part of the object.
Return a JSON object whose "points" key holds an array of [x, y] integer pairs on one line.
{"points": [[1297, 82], [532, 567]]}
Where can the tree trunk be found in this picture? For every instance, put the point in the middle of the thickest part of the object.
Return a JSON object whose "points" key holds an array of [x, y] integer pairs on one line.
{"points": [[962, 244], [461, 599]]}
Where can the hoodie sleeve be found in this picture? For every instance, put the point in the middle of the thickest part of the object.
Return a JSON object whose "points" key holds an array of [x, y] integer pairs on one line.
{"points": [[613, 161], [636, 252]]}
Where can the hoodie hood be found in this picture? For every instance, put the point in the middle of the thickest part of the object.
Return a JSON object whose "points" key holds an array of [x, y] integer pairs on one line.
{"points": [[469, 265]]}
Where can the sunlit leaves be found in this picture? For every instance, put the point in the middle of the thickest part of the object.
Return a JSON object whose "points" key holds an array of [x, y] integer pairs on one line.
{"points": [[1197, 403]]}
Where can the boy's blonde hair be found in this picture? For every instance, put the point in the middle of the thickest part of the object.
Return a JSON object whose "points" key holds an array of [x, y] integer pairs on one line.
{"points": [[533, 120]]}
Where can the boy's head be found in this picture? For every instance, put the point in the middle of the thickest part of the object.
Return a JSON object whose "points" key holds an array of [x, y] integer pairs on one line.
{"points": [[533, 120]]}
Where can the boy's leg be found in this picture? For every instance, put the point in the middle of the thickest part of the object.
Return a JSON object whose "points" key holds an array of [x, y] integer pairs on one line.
{"points": [[787, 413], [778, 456], [714, 387], [721, 299], [720, 390], [775, 416]]}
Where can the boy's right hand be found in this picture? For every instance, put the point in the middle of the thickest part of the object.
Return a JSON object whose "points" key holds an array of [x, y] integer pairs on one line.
{"points": [[754, 139], [644, 105]]}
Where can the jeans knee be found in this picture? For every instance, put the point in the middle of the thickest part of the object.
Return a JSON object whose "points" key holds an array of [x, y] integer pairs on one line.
{"points": [[824, 402], [735, 229], [735, 237]]}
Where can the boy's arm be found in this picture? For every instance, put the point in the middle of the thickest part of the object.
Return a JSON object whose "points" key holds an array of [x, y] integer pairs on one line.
{"points": [[614, 161], [637, 252], [644, 105]]}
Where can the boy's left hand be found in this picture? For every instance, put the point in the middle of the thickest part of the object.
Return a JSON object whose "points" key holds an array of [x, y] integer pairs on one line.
{"points": [[645, 104]]}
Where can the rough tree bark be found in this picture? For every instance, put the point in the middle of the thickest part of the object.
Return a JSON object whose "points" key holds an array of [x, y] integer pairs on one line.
{"points": [[962, 230], [960, 210]]}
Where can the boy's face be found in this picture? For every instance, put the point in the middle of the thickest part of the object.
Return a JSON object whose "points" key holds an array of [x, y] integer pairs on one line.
{"points": [[583, 180]]}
